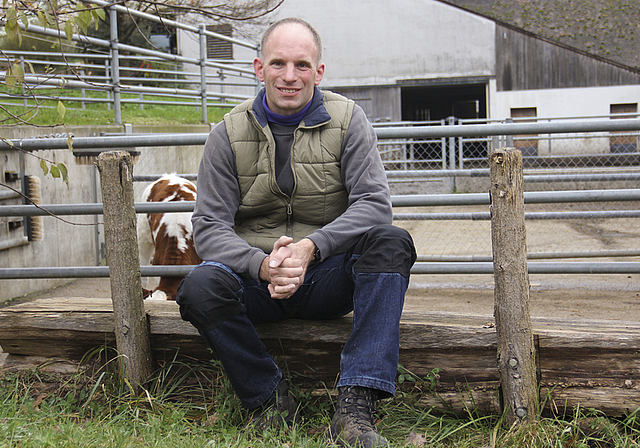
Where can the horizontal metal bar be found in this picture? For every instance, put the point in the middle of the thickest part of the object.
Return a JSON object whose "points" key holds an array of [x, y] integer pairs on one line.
{"points": [[532, 216], [533, 256], [383, 133], [473, 216], [418, 268], [132, 88], [8, 194], [630, 124], [586, 177], [155, 177], [528, 177], [90, 272], [480, 172], [14, 242], [530, 197], [551, 197], [145, 140], [62, 82], [422, 200], [92, 209], [126, 88], [20, 53], [533, 268], [433, 173]]}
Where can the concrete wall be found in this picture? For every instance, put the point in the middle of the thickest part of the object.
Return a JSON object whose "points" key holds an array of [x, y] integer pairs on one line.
{"points": [[574, 102], [77, 241], [381, 42]]}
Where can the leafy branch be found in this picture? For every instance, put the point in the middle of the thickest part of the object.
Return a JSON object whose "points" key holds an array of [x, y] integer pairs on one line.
{"points": [[57, 170]]}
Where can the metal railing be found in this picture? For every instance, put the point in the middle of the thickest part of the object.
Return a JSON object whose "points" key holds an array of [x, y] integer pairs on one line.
{"points": [[545, 142], [422, 267], [428, 264], [189, 76]]}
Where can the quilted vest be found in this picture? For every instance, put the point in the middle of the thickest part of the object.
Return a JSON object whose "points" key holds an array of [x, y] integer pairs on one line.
{"points": [[265, 212]]}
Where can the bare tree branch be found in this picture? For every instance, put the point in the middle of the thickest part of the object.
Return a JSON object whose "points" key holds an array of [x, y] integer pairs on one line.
{"points": [[47, 211]]}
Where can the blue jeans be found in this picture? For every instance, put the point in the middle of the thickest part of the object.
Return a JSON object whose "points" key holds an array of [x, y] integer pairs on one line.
{"points": [[224, 307]]}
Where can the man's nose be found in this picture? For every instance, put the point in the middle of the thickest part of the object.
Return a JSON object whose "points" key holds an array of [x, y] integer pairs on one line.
{"points": [[289, 74]]}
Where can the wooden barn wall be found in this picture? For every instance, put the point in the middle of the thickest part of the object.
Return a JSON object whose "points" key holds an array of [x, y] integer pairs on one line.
{"points": [[524, 62], [380, 103]]}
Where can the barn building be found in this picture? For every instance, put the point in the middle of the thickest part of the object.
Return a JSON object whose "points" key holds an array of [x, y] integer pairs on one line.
{"points": [[424, 60]]}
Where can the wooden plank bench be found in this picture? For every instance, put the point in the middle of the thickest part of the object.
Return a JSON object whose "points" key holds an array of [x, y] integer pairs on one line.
{"points": [[591, 363]]}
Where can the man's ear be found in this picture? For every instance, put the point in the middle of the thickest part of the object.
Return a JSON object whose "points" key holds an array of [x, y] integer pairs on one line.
{"points": [[258, 67], [319, 73]]}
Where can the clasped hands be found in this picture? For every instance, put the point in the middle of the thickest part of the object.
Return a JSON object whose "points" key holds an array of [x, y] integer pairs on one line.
{"points": [[286, 266]]}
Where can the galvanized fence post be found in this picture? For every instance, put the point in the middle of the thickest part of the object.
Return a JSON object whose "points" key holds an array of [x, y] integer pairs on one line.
{"points": [[452, 145], [131, 323], [516, 350], [203, 71], [107, 76], [25, 103], [115, 65]]}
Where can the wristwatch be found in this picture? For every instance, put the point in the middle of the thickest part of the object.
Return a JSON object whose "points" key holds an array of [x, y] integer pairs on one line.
{"points": [[316, 255]]}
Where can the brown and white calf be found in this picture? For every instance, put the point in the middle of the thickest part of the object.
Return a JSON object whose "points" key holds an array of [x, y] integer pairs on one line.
{"points": [[167, 238]]}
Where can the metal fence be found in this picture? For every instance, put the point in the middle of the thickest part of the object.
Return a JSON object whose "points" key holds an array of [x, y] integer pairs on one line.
{"points": [[587, 210], [560, 154], [122, 74], [553, 142]]}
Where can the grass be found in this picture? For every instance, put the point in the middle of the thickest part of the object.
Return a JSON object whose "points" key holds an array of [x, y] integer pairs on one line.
{"points": [[187, 405], [46, 113]]}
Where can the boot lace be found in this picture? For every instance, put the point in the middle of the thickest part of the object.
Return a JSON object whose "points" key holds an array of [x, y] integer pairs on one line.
{"points": [[359, 403]]}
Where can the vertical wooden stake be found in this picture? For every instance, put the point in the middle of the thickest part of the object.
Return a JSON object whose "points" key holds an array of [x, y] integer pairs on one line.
{"points": [[131, 326], [516, 351]]}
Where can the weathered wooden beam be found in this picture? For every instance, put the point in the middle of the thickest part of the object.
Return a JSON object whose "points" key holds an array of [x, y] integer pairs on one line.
{"points": [[591, 363], [516, 350], [131, 325]]}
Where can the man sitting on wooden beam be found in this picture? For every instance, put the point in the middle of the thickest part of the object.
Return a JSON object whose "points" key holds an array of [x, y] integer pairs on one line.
{"points": [[293, 219]]}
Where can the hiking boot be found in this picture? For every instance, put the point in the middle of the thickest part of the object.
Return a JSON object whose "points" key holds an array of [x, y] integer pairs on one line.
{"points": [[352, 424], [280, 411]]}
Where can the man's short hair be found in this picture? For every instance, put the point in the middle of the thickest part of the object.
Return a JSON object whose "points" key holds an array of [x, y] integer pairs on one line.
{"points": [[316, 36]]}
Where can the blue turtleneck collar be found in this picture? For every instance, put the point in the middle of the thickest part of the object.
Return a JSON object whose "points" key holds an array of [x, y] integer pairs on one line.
{"points": [[285, 120], [314, 113]]}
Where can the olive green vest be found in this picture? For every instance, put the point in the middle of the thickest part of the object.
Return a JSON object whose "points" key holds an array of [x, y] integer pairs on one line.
{"points": [[265, 213]]}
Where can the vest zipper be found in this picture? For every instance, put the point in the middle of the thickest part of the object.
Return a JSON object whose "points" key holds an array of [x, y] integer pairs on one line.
{"points": [[289, 216]]}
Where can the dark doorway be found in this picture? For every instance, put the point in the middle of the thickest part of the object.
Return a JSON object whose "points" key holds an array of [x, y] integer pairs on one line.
{"points": [[427, 103], [439, 102]]}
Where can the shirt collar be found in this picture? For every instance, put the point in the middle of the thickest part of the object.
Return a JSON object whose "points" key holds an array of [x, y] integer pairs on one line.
{"points": [[316, 113]]}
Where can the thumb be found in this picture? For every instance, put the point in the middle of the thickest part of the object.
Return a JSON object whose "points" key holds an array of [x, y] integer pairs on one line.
{"points": [[278, 254]]}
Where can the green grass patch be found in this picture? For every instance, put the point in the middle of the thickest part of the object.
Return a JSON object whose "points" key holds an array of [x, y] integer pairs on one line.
{"points": [[47, 112], [187, 405]]}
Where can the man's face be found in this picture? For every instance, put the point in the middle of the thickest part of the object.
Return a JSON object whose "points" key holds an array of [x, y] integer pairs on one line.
{"points": [[289, 68]]}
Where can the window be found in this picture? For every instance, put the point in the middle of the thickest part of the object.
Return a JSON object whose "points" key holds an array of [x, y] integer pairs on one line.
{"points": [[163, 37], [527, 144], [623, 142], [218, 48]]}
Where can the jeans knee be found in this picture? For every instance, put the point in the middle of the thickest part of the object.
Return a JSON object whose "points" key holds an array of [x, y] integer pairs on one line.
{"points": [[208, 296], [386, 248]]}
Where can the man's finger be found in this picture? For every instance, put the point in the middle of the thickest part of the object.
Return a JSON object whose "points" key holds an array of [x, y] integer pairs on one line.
{"points": [[280, 251]]}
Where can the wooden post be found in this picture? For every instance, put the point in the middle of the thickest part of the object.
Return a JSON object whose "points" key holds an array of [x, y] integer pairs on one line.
{"points": [[516, 351], [131, 326]]}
